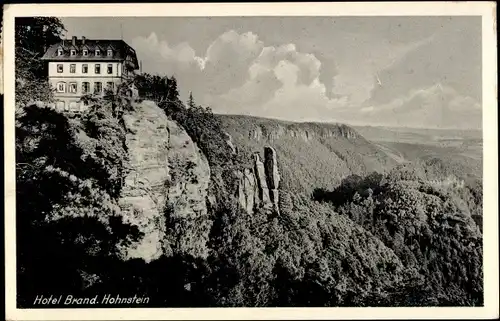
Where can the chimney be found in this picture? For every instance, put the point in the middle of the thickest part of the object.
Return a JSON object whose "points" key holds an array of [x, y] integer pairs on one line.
{"points": [[83, 40], [73, 40]]}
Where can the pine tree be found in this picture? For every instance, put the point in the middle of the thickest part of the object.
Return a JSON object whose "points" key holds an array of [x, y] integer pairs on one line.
{"points": [[173, 92], [191, 103]]}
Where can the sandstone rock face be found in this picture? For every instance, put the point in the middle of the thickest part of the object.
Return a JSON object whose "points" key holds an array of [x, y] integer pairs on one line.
{"points": [[229, 142], [304, 131], [165, 170], [258, 187], [262, 191], [247, 190], [189, 175], [256, 133], [272, 175]]}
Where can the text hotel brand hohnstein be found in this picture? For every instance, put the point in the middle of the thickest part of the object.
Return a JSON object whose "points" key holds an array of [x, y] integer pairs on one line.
{"points": [[97, 299]]}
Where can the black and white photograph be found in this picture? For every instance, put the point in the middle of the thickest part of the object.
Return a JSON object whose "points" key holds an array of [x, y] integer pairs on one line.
{"points": [[306, 160]]}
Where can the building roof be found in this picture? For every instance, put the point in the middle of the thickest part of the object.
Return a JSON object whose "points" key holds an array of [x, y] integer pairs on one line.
{"points": [[120, 50]]}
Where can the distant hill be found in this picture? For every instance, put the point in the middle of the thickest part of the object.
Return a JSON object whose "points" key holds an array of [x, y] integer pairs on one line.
{"points": [[418, 135], [310, 155], [445, 151]]}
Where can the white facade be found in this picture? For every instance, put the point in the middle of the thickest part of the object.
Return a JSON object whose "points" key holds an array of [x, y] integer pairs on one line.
{"points": [[82, 66], [116, 69], [71, 80]]}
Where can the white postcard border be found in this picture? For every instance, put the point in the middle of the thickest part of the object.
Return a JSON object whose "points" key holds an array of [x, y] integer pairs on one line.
{"points": [[490, 149]]}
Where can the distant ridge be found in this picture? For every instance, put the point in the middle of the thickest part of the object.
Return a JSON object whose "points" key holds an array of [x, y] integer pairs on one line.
{"points": [[311, 155]]}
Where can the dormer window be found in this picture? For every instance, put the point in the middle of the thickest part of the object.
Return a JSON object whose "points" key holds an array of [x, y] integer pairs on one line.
{"points": [[97, 53], [110, 53], [73, 52], [59, 52], [85, 52]]}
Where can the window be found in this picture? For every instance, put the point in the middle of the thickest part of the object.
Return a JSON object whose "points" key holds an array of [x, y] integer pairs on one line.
{"points": [[59, 52], [85, 87], [72, 68], [85, 52], [72, 87], [60, 68], [61, 87], [97, 68], [85, 69], [110, 53], [73, 52], [97, 53], [110, 69], [97, 87], [110, 86]]}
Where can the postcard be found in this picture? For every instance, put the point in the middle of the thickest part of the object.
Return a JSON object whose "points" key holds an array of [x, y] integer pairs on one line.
{"points": [[250, 161]]}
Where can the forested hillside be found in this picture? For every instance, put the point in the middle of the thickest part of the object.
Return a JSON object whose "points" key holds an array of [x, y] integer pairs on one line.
{"points": [[311, 155], [352, 227]]}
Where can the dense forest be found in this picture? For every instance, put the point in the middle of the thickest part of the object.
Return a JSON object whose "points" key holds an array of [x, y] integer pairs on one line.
{"points": [[388, 238]]}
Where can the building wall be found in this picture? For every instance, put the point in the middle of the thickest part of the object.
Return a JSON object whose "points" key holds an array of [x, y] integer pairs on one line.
{"points": [[68, 100], [117, 69]]}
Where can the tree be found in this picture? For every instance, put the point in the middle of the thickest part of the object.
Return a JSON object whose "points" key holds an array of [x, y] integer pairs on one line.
{"points": [[430, 229], [33, 36], [191, 103], [173, 92], [68, 235]]}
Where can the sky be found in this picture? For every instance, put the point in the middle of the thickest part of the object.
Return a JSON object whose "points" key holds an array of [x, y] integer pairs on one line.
{"points": [[380, 71]]}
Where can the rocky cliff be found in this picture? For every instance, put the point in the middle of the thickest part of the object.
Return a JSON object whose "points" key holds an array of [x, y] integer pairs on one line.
{"points": [[188, 225], [258, 186], [165, 186], [304, 131], [271, 129], [310, 155]]}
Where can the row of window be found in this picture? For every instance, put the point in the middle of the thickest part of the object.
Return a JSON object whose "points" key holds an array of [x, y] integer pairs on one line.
{"points": [[73, 87], [72, 106], [85, 52], [85, 68]]}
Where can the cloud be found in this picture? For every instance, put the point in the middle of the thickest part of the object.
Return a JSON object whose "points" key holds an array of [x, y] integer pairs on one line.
{"points": [[308, 65], [451, 56], [437, 106], [259, 89], [302, 102], [283, 83], [181, 55], [224, 66], [228, 60], [241, 74]]}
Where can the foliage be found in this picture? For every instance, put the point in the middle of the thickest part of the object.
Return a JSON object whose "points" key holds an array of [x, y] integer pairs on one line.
{"points": [[191, 103], [307, 256], [157, 88], [429, 228], [33, 36], [68, 222]]}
